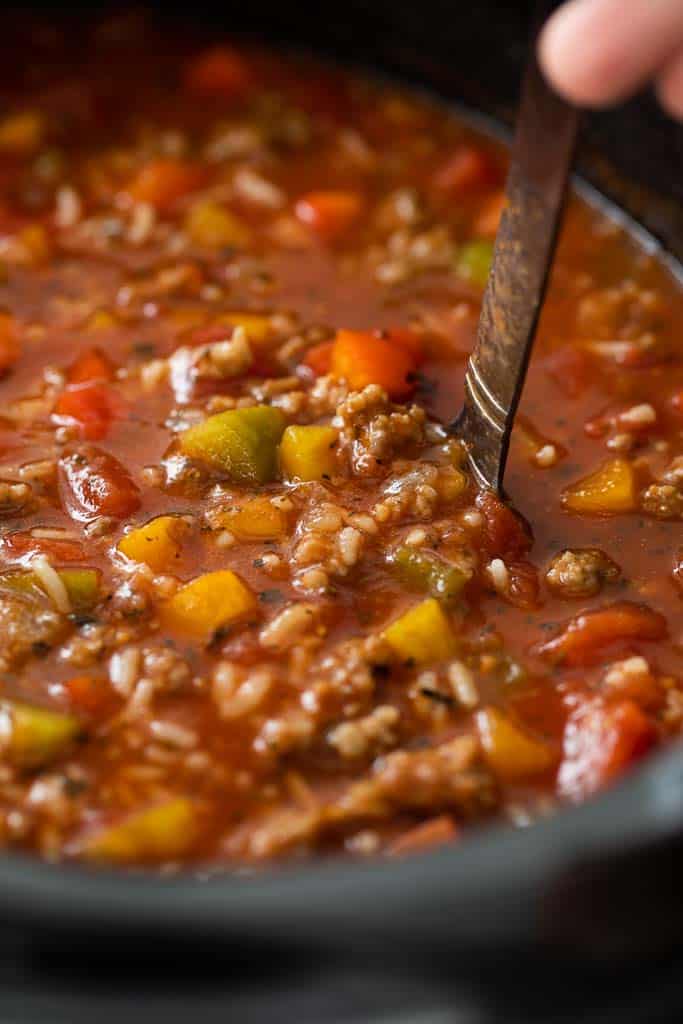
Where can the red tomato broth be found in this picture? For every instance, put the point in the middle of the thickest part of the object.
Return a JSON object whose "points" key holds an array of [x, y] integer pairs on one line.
{"points": [[252, 746]]}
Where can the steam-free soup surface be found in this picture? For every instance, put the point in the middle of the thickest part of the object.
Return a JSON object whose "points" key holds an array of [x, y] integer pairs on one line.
{"points": [[252, 604]]}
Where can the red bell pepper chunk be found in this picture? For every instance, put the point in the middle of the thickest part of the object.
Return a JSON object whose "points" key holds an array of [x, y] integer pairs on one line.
{"points": [[600, 742], [15, 547], [221, 72], [469, 168], [94, 364], [318, 359], [88, 694], [92, 406], [93, 483], [329, 214], [161, 182], [9, 343], [585, 637]]}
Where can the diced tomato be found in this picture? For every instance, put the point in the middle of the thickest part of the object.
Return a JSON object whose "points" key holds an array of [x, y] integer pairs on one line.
{"points": [[504, 532], [569, 368], [362, 358], [523, 589], [488, 218], [88, 694], [469, 168], [601, 740], [93, 407], [15, 547], [329, 214], [426, 836], [586, 637], [93, 483], [94, 364], [211, 334], [9, 343], [318, 359], [161, 182], [220, 72]]}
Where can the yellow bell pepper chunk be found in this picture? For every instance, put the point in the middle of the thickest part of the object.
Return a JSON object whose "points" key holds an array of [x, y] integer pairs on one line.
{"points": [[308, 453], [257, 327], [210, 224], [241, 442], [36, 242], [257, 519], [611, 488], [37, 735], [511, 752], [422, 634], [156, 544], [21, 133], [156, 833], [102, 320], [206, 603]]}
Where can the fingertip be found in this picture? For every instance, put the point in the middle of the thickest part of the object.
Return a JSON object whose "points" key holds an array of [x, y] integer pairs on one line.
{"points": [[669, 86], [584, 82]]}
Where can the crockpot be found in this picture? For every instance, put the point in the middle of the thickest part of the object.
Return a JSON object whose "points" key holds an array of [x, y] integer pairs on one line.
{"points": [[578, 915]]}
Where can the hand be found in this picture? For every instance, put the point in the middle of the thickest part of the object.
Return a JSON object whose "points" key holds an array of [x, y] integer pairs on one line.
{"points": [[596, 52]]}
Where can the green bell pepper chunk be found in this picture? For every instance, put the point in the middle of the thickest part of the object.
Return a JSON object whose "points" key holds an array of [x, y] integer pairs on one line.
{"points": [[427, 573]]}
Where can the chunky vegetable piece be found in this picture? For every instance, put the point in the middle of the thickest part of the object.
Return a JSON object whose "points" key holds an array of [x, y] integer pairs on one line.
{"points": [[474, 261], [93, 483], [243, 443], [161, 182], [608, 490], [585, 637], [422, 635], [157, 833], [36, 736], [330, 214], [209, 603], [257, 519], [254, 604], [157, 543], [421, 570], [362, 358], [308, 453], [212, 225], [512, 752]]}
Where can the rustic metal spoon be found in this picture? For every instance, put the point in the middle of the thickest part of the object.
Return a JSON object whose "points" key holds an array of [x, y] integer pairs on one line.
{"points": [[535, 192]]}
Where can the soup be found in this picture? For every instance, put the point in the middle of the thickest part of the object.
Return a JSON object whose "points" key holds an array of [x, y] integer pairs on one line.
{"points": [[253, 605]]}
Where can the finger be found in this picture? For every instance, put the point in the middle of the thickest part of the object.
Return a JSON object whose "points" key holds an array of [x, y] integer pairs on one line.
{"points": [[596, 52], [670, 86]]}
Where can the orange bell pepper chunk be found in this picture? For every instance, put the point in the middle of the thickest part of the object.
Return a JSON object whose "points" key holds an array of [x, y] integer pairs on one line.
{"points": [[9, 343], [221, 71], [161, 182], [600, 742], [586, 636], [329, 214], [426, 836], [383, 358], [319, 358], [488, 218], [94, 364], [93, 406]]}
